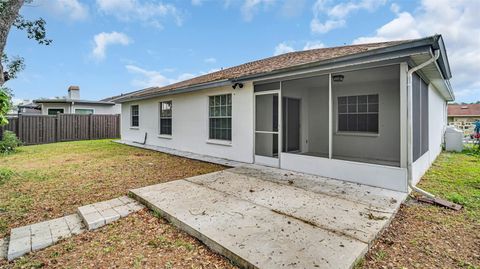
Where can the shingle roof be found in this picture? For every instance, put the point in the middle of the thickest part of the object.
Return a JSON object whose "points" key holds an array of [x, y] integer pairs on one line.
{"points": [[287, 60], [464, 110]]}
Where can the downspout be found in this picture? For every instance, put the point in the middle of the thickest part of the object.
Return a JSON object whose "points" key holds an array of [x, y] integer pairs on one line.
{"points": [[410, 124]]}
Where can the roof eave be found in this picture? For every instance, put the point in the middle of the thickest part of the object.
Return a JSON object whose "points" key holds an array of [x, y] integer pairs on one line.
{"points": [[213, 84]]}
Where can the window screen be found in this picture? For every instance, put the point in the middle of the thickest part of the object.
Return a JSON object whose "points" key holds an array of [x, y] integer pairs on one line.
{"points": [[135, 115], [358, 113], [166, 118], [220, 117], [420, 116]]}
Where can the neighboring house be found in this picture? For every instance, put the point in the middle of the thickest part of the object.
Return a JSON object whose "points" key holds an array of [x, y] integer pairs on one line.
{"points": [[352, 113], [463, 117], [72, 104], [26, 107]]}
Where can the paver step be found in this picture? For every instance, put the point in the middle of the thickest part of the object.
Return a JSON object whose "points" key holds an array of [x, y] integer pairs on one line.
{"points": [[100, 214], [41, 235]]}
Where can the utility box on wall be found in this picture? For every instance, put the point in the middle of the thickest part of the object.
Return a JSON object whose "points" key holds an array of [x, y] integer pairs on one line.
{"points": [[453, 139]]}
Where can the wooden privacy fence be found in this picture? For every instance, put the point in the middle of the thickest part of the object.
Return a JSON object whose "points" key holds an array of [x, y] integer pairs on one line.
{"points": [[41, 129]]}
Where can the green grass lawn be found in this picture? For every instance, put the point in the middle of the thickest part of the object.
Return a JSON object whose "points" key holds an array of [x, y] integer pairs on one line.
{"points": [[427, 236], [47, 181]]}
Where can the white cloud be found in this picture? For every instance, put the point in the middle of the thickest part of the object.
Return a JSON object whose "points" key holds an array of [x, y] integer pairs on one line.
{"points": [[320, 28], [336, 16], [73, 9], [151, 13], [313, 45], [152, 78], [458, 22], [103, 40], [282, 48], [197, 2], [250, 7], [210, 60]]}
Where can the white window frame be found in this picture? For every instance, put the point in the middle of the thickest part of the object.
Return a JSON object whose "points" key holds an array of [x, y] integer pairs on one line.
{"points": [[160, 119], [131, 117], [357, 133], [218, 140]]}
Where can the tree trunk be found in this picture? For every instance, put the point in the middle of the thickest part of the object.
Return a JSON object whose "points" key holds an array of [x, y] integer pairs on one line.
{"points": [[9, 10]]}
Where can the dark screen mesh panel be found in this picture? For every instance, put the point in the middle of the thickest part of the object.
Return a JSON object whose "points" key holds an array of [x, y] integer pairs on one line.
{"points": [[424, 109], [267, 87], [420, 116]]}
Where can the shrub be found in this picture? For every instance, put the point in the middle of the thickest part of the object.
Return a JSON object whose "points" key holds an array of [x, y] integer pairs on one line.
{"points": [[9, 142]]}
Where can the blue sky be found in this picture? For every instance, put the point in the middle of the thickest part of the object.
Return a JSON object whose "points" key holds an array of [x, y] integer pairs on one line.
{"points": [[108, 47]]}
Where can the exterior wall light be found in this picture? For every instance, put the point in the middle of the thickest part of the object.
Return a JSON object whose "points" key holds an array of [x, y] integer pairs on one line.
{"points": [[338, 78]]}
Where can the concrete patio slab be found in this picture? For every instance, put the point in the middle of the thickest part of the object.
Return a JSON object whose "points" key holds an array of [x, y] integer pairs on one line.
{"points": [[260, 219], [250, 235]]}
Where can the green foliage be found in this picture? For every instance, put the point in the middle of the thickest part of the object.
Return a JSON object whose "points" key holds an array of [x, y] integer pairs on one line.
{"points": [[13, 66], [5, 104], [35, 29], [5, 175], [9, 142]]}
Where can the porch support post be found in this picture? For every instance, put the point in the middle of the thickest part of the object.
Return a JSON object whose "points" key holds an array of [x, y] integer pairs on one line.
{"points": [[403, 114], [330, 107]]}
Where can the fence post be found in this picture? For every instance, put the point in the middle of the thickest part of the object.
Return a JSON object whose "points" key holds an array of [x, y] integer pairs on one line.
{"points": [[20, 131], [57, 127], [90, 127]]}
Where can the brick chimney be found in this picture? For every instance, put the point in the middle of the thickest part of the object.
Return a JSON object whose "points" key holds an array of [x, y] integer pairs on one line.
{"points": [[74, 92]]}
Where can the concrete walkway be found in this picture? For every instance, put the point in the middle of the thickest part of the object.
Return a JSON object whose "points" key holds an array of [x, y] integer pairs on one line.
{"points": [[270, 218], [44, 234], [186, 154]]}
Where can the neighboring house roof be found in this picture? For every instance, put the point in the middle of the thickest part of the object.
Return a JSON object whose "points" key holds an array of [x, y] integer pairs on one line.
{"points": [[292, 60], [66, 100], [464, 110]]}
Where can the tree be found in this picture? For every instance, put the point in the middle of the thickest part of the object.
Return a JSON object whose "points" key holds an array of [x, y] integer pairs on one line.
{"points": [[9, 16]]}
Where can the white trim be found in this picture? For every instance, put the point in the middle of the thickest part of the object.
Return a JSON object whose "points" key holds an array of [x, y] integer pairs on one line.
{"points": [[159, 114], [330, 116], [164, 136], [219, 142], [388, 177], [357, 134], [264, 160], [403, 114], [131, 117]]}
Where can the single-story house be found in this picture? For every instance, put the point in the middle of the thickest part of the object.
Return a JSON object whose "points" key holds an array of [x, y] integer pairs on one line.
{"points": [[72, 104], [463, 116], [371, 113]]}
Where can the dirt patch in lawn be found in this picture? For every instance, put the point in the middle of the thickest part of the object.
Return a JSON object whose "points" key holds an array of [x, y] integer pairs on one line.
{"points": [[140, 240], [426, 236], [47, 181], [423, 236]]}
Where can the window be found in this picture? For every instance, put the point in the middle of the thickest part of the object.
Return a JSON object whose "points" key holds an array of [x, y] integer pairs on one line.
{"points": [[220, 117], [358, 113], [83, 111], [55, 111], [166, 118], [134, 116]]}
